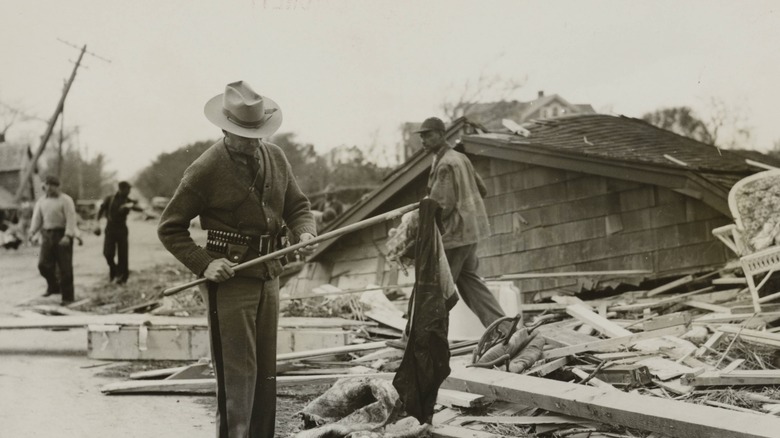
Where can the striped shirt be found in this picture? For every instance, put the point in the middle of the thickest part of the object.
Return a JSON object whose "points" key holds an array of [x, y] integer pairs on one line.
{"points": [[54, 212]]}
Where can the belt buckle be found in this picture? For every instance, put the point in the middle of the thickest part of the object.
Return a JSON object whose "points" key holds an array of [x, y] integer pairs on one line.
{"points": [[264, 244]]}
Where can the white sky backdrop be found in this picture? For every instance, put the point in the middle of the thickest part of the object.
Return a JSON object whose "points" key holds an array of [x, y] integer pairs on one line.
{"points": [[350, 72]]}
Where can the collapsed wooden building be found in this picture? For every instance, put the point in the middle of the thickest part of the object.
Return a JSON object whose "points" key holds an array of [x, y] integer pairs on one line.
{"points": [[585, 193]]}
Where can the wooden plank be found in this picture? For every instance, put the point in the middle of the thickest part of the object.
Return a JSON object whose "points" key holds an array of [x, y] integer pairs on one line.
{"points": [[732, 366], [707, 306], [734, 378], [156, 374], [549, 367], [714, 318], [668, 320], [460, 399], [773, 338], [331, 351], [525, 420], [447, 431], [598, 322], [711, 343], [385, 353], [77, 321], [529, 275], [658, 303], [444, 416], [147, 342], [669, 417], [593, 381], [555, 334], [388, 318], [209, 386], [201, 370], [730, 281], [669, 286], [614, 343], [755, 336], [664, 369]]}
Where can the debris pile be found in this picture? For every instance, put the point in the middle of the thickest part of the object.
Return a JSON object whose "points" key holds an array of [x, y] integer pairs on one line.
{"points": [[687, 358]]}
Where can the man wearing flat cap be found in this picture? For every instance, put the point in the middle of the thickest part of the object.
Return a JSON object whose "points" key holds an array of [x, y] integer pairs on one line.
{"points": [[459, 190], [245, 194], [54, 215]]}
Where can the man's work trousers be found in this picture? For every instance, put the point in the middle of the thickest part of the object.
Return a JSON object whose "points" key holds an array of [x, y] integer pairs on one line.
{"points": [[243, 318], [115, 244], [54, 256], [472, 288]]}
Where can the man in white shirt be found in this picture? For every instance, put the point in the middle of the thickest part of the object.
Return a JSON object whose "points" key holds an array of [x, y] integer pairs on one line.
{"points": [[54, 216]]}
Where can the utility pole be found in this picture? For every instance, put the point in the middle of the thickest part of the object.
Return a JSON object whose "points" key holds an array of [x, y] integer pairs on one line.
{"points": [[62, 138], [31, 166]]}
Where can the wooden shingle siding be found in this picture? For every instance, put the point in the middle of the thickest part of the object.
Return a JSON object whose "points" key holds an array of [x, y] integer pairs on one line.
{"points": [[357, 259], [587, 222]]}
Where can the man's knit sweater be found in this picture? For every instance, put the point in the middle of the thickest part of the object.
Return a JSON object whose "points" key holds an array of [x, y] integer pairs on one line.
{"points": [[215, 189]]}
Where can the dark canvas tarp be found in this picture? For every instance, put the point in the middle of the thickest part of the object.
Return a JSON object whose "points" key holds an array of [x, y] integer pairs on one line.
{"points": [[426, 361]]}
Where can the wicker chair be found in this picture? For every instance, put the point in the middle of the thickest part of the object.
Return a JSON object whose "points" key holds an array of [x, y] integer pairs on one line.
{"points": [[750, 226]]}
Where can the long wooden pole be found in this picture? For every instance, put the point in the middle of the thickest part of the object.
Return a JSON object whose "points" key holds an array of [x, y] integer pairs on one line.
{"points": [[327, 236], [49, 129]]}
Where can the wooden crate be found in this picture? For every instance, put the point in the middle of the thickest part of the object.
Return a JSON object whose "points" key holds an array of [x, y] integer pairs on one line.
{"points": [[134, 342]]}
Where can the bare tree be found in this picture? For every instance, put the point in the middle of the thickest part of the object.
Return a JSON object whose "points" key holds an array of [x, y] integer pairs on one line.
{"points": [[725, 126], [680, 120], [728, 125], [486, 88], [10, 116]]}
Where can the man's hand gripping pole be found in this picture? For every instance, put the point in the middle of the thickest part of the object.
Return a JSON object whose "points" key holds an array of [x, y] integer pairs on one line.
{"points": [[327, 236]]}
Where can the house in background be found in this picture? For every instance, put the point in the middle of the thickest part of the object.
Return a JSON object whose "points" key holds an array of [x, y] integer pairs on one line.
{"points": [[544, 106], [580, 193], [14, 159], [489, 116]]}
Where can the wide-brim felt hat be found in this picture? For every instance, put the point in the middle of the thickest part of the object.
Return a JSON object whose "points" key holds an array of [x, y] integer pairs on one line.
{"points": [[243, 112]]}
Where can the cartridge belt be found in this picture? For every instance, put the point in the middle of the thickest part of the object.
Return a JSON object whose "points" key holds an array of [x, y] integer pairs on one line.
{"points": [[226, 242]]}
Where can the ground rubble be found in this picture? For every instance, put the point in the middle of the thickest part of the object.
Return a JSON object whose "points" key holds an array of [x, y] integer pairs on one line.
{"points": [[687, 358]]}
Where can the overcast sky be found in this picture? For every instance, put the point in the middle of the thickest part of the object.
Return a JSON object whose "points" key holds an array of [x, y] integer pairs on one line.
{"points": [[350, 72]]}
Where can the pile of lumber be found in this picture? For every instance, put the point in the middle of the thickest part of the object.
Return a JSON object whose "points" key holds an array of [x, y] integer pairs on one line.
{"points": [[688, 358]]}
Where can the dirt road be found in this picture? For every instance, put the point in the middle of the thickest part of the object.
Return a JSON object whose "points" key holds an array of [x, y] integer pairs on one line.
{"points": [[48, 386]]}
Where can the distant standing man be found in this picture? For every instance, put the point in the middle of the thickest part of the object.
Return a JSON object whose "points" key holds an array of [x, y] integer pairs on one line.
{"points": [[54, 215], [459, 190], [115, 208], [244, 192]]}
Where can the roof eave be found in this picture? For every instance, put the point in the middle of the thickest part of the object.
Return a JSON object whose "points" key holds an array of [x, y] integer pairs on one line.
{"points": [[684, 181]]}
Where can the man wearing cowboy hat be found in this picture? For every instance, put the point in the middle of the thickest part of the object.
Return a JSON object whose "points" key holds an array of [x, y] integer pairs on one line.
{"points": [[245, 194]]}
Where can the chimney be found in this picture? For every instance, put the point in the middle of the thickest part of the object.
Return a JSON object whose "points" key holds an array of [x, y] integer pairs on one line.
{"points": [[541, 94]]}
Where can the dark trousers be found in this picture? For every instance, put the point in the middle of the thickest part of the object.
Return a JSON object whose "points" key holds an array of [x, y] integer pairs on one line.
{"points": [[464, 263], [52, 257], [243, 318], [115, 244]]}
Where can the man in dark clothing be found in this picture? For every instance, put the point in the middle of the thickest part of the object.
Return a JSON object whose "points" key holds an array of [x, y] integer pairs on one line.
{"points": [[115, 208], [459, 190]]}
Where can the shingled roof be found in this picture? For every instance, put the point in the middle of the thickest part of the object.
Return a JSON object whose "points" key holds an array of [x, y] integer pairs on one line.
{"points": [[613, 146], [625, 139]]}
